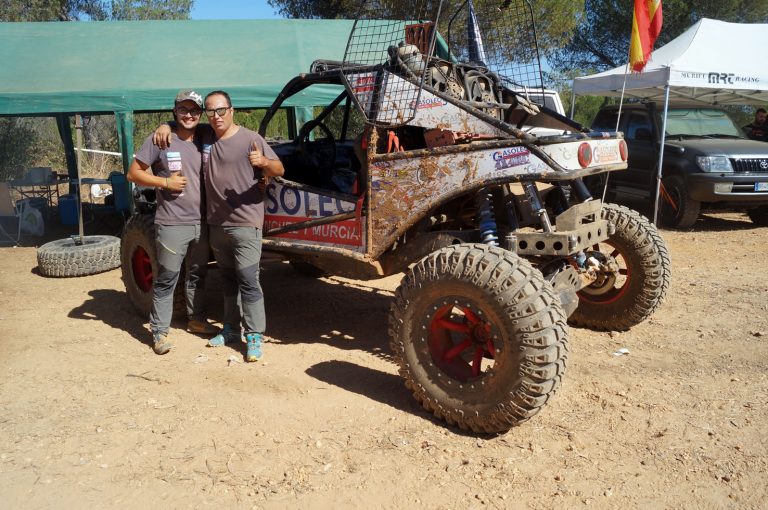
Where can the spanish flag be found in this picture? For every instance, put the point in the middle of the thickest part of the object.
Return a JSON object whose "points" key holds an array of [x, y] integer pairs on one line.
{"points": [[646, 26]]}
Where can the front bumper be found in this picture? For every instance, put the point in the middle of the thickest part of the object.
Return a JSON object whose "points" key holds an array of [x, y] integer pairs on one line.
{"points": [[734, 188]]}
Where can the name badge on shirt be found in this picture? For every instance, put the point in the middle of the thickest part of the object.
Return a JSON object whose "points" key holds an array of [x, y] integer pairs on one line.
{"points": [[174, 161]]}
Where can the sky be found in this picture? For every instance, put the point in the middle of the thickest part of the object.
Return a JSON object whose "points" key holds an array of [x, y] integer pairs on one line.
{"points": [[232, 9]]}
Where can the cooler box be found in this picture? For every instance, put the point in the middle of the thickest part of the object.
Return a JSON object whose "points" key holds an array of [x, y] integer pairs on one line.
{"points": [[68, 209]]}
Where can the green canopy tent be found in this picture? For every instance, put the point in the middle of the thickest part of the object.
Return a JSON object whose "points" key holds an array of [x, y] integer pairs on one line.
{"points": [[63, 69]]}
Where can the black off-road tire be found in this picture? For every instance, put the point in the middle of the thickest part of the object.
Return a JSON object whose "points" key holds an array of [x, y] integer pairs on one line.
{"points": [[759, 215], [687, 209], [521, 317], [64, 258], [139, 264], [643, 284]]}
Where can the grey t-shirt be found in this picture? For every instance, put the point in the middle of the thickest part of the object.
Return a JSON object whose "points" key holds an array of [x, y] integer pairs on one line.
{"points": [[185, 208], [232, 195]]}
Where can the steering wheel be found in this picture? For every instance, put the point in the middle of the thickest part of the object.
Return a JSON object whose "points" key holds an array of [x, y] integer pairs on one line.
{"points": [[319, 153]]}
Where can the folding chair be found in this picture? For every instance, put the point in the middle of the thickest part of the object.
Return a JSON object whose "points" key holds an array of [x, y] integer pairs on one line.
{"points": [[115, 204], [9, 210]]}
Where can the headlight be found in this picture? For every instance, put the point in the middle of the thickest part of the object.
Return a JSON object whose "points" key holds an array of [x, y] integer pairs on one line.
{"points": [[716, 164]]}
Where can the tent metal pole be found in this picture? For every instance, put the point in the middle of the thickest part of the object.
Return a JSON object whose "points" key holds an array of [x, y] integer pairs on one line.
{"points": [[659, 173], [79, 137]]}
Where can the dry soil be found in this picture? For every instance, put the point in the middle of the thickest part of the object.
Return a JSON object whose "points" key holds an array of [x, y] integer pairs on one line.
{"points": [[91, 417]]}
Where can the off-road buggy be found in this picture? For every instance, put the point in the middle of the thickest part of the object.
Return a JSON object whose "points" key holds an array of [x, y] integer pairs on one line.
{"points": [[421, 165]]}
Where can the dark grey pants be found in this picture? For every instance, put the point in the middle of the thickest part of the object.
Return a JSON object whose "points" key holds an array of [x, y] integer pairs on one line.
{"points": [[173, 243], [238, 253]]}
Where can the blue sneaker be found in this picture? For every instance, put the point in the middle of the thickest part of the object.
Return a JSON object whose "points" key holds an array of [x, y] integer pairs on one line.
{"points": [[160, 343], [254, 347], [225, 336]]}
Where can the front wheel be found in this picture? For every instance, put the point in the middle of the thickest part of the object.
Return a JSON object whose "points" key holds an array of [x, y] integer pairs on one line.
{"points": [[677, 209], [633, 278], [479, 336]]}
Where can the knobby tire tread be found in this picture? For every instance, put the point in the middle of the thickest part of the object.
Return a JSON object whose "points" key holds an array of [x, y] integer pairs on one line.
{"points": [[63, 258], [641, 244], [534, 324]]}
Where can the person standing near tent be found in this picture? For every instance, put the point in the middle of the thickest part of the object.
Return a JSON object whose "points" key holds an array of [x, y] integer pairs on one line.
{"points": [[758, 130], [239, 164], [179, 225]]}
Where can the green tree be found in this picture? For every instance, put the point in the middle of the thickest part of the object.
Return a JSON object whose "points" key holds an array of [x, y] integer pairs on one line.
{"points": [[75, 10], [51, 10], [150, 9]]}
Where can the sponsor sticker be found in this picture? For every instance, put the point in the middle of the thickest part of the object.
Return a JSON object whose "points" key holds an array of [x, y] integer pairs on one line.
{"points": [[174, 161], [513, 156]]}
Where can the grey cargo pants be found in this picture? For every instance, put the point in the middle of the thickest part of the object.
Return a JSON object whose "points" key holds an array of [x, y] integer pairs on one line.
{"points": [[238, 253], [173, 243]]}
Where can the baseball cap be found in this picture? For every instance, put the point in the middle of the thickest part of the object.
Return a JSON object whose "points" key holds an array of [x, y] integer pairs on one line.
{"points": [[189, 95]]}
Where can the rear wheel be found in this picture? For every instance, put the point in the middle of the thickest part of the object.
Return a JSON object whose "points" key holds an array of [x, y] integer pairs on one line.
{"points": [[479, 336], [677, 209], [139, 265], [633, 276]]}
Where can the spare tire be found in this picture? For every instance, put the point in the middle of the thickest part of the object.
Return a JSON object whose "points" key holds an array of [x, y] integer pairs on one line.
{"points": [[65, 258]]}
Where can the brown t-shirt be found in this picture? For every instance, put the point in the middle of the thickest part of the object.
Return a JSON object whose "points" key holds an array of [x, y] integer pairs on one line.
{"points": [[232, 195], [176, 208]]}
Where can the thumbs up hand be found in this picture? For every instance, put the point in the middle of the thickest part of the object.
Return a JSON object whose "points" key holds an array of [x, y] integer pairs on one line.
{"points": [[256, 157]]}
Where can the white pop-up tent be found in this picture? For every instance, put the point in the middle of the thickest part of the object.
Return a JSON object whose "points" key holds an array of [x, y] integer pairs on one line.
{"points": [[712, 62]]}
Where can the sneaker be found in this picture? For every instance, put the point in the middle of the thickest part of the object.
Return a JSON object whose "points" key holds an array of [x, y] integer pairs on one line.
{"points": [[254, 347], [225, 336], [202, 327], [161, 343]]}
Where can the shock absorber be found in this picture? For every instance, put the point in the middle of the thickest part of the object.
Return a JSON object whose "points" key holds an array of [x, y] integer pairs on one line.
{"points": [[488, 231], [535, 202]]}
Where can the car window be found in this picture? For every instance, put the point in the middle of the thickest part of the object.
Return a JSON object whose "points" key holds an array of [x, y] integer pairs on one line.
{"points": [[700, 122], [334, 120], [638, 122], [605, 121]]}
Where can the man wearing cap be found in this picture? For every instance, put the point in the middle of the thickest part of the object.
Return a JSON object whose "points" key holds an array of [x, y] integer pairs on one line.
{"points": [[179, 220]]}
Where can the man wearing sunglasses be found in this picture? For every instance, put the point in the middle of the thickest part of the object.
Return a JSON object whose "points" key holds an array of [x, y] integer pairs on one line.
{"points": [[179, 222], [238, 166]]}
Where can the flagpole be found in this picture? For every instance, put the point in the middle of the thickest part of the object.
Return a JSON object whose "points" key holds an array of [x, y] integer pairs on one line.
{"points": [[659, 174]]}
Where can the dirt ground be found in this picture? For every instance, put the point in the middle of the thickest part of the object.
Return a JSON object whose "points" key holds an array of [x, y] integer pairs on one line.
{"points": [[91, 417]]}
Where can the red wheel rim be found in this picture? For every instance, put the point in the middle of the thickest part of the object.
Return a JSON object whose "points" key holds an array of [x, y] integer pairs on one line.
{"points": [[142, 269], [615, 286], [461, 342]]}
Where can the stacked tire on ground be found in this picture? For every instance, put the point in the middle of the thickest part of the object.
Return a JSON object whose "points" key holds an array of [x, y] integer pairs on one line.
{"points": [[67, 258]]}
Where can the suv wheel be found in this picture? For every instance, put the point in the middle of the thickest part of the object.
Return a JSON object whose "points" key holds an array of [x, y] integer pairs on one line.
{"points": [[635, 278], [677, 209], [759, 215], [479, 336]]}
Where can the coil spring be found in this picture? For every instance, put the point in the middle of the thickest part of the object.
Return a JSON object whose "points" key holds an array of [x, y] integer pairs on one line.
{"points": [[488, 231]]}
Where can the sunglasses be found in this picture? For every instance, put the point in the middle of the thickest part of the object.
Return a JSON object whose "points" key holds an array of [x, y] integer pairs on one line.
{"points": [[184, 111], [218, 111]]}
